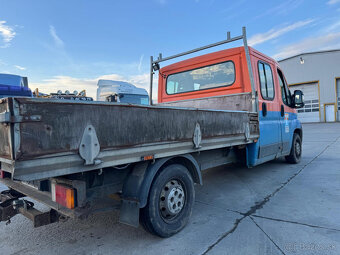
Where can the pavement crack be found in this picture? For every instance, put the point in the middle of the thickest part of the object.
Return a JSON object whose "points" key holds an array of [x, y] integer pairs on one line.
{"points": [[267, 236], [258, 205], [295, 222], [224, 235]]}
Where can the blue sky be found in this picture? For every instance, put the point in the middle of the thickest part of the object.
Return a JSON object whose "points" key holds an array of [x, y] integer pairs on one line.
{"points": [[71, 44]]}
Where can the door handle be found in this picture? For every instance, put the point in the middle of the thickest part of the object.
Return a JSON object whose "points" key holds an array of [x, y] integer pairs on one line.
{"points": [[264, 109], [282, 111]]}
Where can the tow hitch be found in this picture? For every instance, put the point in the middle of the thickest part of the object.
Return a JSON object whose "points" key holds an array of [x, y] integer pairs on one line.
{"points": [[11, 204]]}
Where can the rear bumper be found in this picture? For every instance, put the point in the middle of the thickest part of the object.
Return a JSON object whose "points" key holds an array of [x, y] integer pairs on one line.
{"points": [[20, 190], [11, 205]]}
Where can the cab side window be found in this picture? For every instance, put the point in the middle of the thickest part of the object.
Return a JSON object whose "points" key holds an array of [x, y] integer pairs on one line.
{"points": [[266, 81], [286, 97]]}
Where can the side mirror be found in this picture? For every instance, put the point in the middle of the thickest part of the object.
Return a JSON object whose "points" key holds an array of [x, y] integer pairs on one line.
{"points": [[298, 99]]}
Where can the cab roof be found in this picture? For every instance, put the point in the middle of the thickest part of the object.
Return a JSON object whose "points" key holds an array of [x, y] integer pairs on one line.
{"points": [[211, 57]]}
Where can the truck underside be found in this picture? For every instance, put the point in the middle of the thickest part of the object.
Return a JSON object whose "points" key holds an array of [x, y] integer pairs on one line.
{"points": [[103, 190]]}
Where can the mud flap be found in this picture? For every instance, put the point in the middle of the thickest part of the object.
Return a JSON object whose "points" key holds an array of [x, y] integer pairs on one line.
{"points": [[129, 213]]}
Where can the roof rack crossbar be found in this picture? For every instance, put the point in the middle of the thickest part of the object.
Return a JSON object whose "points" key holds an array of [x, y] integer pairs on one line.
{"points": [[161, 59]]}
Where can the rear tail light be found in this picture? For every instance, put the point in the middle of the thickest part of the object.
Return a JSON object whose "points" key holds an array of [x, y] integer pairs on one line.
{"points": [[63, 195], [4, 174]]}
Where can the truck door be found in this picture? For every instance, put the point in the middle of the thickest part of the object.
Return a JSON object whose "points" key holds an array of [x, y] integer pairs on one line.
{"points": [[269, 114], [286, 115]]}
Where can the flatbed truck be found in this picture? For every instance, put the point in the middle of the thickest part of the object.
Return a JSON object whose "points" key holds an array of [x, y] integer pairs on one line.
{"points": [[79, 158]]}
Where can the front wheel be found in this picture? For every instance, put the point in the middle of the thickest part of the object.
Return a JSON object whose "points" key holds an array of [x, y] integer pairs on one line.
{"points": [[170, 201], [295, 152]]}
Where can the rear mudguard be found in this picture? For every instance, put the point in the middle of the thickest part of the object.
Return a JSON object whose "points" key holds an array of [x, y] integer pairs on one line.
{"points": [[137, 185]]}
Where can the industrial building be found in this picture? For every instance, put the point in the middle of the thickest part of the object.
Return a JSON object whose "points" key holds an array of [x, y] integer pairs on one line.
{"points": [[317, 74]]}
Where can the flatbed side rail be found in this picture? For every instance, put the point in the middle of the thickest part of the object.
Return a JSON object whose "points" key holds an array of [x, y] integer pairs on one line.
{"points": [[154, 64]]}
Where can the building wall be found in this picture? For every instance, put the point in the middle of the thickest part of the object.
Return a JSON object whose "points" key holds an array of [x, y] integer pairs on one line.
{"points": [[322, 66]]}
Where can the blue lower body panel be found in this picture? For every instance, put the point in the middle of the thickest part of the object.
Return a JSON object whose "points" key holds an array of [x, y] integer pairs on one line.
{"points": [[276, 136]]}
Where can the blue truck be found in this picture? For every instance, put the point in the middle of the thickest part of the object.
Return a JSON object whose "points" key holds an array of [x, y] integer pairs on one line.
{"points": [[13, 86]]}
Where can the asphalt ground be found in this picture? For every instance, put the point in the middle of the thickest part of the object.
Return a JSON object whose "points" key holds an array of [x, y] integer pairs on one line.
{"points": [[274, 208]]}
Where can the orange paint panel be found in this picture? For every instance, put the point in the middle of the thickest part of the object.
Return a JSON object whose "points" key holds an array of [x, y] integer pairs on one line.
{"points": [[242, 80], [241, 84]]}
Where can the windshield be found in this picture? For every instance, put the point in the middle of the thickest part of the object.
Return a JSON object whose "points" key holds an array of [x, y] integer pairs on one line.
{"points": [[134, 99]]}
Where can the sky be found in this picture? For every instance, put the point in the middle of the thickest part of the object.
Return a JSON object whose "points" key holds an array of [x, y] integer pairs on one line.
{"points": [[70, 44]]}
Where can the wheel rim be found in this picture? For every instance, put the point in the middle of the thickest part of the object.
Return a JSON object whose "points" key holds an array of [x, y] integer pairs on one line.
{"points": [[297, 149], [171, 200]]}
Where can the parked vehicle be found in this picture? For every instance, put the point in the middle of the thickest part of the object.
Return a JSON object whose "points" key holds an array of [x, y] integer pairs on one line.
{"points": [[67, 95], [14, 85], [78, 158], [121, 92]]}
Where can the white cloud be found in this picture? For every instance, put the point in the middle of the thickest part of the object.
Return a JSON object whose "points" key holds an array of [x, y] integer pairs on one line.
{"points": [[7, 33], [70, 83], [65, 83], [324, 42], [20, 67], [283, 8], [330, 2], [275, 33], [58, 42], [333, 27], [140, 62]]}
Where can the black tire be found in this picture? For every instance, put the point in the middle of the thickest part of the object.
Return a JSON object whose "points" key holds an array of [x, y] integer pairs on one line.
{"points": [[174, 186], [295, 152]]}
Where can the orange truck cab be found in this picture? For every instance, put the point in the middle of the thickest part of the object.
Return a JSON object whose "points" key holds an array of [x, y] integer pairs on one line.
{"points": [[227, 72]]}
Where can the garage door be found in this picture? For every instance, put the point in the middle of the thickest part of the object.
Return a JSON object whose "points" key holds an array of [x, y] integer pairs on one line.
{"points": [[310, 112], [338, 97]]}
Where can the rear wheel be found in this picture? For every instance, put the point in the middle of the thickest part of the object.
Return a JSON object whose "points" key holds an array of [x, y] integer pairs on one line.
{"points": [[295, 152], [170, 201]]}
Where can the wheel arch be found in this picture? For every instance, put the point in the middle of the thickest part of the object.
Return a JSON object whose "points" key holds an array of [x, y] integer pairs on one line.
{"points": [[190, 163], [139, 181], [186, 160], [299, 132], [137, 185]]}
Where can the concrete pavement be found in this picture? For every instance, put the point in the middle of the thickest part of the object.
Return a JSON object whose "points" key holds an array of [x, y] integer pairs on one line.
{"points": [[275, 208]]}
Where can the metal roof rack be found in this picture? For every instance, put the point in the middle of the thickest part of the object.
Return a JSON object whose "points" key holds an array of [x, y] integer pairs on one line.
{"points": [[154, 65]]}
